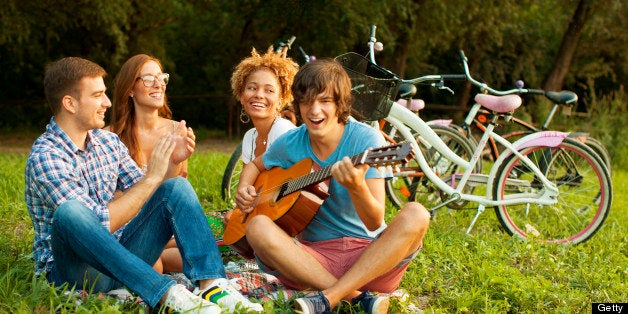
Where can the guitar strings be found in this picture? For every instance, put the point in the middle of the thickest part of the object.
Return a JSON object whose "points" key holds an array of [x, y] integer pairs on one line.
{"points": [[318, 176]]}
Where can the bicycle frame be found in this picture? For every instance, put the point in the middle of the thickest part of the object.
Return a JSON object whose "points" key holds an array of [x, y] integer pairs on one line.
{"points": [[405, 120], [514, 183]]}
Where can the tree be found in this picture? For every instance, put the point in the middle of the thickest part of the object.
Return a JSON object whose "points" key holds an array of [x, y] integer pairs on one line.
{"points": [[200, 41], [564, 57]]}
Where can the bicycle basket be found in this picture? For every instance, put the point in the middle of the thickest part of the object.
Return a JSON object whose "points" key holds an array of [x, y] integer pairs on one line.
{"points": [[373, 87]]}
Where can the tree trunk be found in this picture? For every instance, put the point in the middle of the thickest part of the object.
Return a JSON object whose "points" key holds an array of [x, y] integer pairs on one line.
{"points": [[554, 81], [400, 55]]}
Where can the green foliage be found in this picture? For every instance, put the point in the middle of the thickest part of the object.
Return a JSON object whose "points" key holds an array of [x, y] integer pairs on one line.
{"points": [[485, 271], [200, 41]]}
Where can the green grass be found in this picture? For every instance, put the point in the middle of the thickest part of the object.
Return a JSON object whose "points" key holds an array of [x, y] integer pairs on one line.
{"points": [[486, 271]]}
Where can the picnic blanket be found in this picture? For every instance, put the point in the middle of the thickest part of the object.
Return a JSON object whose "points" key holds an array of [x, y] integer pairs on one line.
{"points": [[246, 276]]}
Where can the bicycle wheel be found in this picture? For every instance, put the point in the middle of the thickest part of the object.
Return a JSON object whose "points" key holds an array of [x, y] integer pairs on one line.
{"points": [[405, 182], [409, 184], [601, 151], [231, 176], [584, 199], [466, 134]]}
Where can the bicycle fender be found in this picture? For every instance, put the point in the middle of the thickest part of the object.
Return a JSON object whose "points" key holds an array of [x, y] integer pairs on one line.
{"points": [[543, 138], [443, 122]]}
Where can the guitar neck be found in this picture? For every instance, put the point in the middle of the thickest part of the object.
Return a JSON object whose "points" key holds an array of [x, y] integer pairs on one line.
{"points": [[382, 156], [313, 177]]}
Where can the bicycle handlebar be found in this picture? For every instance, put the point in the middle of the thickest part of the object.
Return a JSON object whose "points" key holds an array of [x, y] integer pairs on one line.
{"points": [[485, 87], [283, 47], [562, 97], [304, 55], [372, 32], [371, 43], [434, 77], [290, 41]]}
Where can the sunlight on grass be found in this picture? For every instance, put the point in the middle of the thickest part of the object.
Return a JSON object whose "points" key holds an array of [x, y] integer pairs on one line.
{"points": [[485, 271]]}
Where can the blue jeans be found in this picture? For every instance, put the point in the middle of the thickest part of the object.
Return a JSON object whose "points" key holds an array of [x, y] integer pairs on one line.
{"points": [[88, 256]]}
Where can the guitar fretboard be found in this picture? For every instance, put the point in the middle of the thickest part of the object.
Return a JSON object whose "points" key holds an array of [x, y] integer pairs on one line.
{"points": [[313, 178]]}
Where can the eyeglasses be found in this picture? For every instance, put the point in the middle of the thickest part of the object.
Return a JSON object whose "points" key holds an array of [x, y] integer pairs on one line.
{"points": [[149, 79]]}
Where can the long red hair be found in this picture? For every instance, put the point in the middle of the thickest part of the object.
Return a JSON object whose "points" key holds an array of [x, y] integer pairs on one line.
{"points": [[123, 109]]}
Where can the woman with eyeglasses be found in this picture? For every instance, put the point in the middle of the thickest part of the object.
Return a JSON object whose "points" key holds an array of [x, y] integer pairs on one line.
{"points": [[141, 116]]}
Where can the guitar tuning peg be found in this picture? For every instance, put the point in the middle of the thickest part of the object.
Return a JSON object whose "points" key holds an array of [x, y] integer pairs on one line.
{"points": [[381, 170], [396, 169], [389, 171]]}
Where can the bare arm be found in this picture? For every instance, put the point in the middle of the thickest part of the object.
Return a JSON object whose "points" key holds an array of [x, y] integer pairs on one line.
{"points": [[246, 191], [186, 142], [367, 195], [184, 169], [176, 170], [122, 209]]}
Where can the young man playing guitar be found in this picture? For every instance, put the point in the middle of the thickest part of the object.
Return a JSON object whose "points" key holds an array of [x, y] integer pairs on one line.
{"points": [[346, 250]]}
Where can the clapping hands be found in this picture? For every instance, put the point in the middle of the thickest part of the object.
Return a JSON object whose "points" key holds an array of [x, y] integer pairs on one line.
{"points": [[185, 142]]}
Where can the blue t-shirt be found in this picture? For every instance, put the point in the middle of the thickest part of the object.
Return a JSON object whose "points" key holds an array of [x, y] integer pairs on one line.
{"points": [[337, 216]]}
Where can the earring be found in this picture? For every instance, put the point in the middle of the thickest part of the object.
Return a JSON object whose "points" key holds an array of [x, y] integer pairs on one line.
{"points": [[244, 118]]}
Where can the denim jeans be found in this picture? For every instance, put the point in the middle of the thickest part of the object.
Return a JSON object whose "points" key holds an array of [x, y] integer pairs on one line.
{"points": [[88, 256]]}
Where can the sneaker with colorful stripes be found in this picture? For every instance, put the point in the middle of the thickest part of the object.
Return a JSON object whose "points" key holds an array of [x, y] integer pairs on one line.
{"points": [[223, 293]]}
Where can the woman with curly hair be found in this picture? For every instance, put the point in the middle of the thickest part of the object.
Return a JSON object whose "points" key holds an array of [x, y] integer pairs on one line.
{"points": [[261, 83]]}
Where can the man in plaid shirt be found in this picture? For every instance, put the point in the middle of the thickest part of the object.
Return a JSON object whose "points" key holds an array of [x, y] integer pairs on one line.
{"points": [[90, 239]]}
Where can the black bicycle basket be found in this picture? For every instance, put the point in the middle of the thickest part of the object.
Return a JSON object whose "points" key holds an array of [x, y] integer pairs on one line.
{"points": [[373, 87]]}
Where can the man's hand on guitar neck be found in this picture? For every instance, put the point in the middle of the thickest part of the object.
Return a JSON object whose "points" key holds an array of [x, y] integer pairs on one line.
{"points": [[347, 174], [367, 195]]}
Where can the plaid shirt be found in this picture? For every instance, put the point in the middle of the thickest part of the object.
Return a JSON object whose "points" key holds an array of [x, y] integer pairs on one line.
{"points": [[58, 171]]}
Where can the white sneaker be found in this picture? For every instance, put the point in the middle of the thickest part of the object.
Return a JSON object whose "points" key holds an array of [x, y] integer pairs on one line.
{"points": [[121, 294], [223, 293], [181, 300]]}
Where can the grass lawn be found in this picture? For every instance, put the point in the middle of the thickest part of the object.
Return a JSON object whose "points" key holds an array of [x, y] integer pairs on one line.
{"points": [[486, 271]]}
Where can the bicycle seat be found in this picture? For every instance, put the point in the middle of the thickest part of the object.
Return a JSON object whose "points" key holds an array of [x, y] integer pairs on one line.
{"points": [[563, 97], [415, 104], [500, 104]]}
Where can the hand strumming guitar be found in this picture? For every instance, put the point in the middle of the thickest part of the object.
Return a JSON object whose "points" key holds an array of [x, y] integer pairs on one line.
{"points": [[245, 198]]}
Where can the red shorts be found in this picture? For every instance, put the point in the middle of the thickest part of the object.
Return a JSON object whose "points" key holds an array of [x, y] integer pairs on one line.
{"points": [[338, 255]]}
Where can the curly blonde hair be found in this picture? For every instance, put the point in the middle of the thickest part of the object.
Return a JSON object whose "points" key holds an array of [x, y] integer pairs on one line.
{"points": [[283, 68]]}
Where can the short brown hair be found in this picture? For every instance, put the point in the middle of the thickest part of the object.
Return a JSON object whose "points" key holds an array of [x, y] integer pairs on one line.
{"points": [[63, 76], [319, 76]]}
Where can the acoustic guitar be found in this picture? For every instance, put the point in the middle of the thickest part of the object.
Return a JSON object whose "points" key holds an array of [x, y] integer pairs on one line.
{"points": [[291, 197]]}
